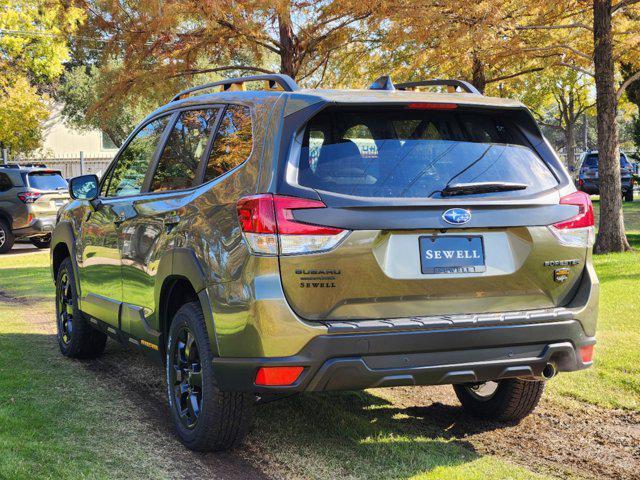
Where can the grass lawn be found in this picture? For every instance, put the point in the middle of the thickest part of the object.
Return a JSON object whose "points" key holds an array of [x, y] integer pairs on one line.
{"points": [[615, 379]]}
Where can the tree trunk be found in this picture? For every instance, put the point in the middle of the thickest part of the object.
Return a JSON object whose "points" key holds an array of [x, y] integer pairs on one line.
{"points": [[570, 145], [287, 44], [611, 235], [479, 79]]}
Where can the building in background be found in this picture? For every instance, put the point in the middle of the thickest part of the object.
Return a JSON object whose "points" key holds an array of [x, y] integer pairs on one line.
{"points": [[71, 151]]}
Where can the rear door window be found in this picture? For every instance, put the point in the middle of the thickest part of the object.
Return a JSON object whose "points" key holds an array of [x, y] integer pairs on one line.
{"points": [[5, 182], [233, 143], [180, 158], [416, 153], [46, 181]]}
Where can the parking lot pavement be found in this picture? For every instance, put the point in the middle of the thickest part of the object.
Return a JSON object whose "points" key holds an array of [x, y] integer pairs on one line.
{"points": [[24, 248]]}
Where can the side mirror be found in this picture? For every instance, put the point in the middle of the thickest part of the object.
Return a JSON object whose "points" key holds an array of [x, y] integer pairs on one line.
{"points": [[84, 187]]}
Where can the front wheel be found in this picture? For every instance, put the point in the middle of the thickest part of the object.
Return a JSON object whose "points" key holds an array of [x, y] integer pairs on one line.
{"points": [[205, 418], [76, 338], [503, 400]]}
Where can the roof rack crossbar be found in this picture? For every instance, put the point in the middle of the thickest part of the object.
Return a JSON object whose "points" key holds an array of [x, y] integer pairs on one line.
{"points": [[287, 83], [466, 86]]}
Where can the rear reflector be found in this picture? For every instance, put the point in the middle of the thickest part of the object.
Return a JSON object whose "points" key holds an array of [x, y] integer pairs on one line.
{"points": [[579, 230], [278, 376], [269, 227], [586, 353], [432, 106]]}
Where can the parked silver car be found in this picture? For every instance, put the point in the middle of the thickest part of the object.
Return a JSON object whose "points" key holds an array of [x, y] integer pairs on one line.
{"points": [[30, 196]]}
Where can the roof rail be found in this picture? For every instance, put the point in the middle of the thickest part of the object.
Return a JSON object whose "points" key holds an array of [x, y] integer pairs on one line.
{"points": [[287, 83], [440, 83]]}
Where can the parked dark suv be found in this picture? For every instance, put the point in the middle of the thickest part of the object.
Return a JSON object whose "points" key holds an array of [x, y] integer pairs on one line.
{"points": [[267, 242], [589, 180], [30, 196]]}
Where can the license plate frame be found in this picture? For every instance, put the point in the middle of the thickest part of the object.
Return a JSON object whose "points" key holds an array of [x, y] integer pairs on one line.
{"points": [[457, 260]]}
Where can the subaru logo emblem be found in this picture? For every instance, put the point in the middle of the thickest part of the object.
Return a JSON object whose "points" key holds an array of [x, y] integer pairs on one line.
{"points": [[456, 216]]}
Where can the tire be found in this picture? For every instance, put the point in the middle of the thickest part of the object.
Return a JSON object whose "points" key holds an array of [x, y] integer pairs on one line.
{"points": [[223, 418], [76, 338], [6, 237], [628, 195], [511, 400], [41, 242]]}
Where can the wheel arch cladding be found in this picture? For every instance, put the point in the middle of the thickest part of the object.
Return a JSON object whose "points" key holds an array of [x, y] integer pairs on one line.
{"points": [[62, 246], [183, 282], [6, 217], [58, 254]]}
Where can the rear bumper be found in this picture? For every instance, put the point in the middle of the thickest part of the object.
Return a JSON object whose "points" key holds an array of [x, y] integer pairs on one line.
{"points": [[429, 355], [39, 227]]}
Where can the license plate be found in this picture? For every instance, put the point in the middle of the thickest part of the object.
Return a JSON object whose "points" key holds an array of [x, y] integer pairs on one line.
{"points": [[58, 203], [452, 254]]}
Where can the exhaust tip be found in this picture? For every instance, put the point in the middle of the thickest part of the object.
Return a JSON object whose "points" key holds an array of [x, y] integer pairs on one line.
{"points": [[549, 371]]}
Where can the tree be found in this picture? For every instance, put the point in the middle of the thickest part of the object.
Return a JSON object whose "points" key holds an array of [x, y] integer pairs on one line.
{"points": [[560, 98], [156, 42], [22, 112], [80, 89], [611, 235], [475, 41], [33, 47], [598, 37]]}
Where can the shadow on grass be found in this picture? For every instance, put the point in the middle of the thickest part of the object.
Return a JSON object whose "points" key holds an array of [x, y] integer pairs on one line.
{"points": [[373, 437], [338, 434]]}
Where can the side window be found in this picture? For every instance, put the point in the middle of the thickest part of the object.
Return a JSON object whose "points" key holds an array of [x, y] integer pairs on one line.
{"points": [[5, 182], [128, 175], [233, 142], [180, 158], [316, 140]]}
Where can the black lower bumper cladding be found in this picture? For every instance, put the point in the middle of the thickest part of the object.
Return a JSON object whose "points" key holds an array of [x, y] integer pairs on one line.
{"points": [[427, 356]]}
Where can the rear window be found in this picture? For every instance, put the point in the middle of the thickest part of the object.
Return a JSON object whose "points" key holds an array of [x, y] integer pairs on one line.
{"points": [[47, 181], [415, 153], [591, 161]]}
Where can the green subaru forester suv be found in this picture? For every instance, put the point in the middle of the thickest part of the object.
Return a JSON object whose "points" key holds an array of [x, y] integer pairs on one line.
{"points": [[268, 241]]}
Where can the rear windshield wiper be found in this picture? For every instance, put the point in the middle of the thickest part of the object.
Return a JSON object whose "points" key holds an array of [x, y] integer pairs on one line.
{"points": [[480, 187]]}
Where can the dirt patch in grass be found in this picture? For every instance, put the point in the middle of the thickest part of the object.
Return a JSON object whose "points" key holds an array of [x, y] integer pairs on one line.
{"points": [[560, 437]]}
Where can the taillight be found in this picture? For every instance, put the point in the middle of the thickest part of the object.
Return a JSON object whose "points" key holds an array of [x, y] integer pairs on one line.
{"points": [[29, 197], [278, 376], [269, 227], [579, 230]]}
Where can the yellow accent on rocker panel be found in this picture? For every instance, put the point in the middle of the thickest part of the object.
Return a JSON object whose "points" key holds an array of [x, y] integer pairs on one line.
{"points": [[149, 344]]}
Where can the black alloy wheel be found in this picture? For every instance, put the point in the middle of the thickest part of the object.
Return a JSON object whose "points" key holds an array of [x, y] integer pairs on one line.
{"points": [[186, 378], [64, 308]]}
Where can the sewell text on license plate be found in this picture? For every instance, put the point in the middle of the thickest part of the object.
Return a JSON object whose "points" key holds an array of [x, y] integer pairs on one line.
{"points": [[452, 254]]}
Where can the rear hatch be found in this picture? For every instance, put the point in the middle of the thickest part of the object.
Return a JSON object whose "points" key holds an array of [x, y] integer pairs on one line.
{"points": [[48, 192], [445, 210]]}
